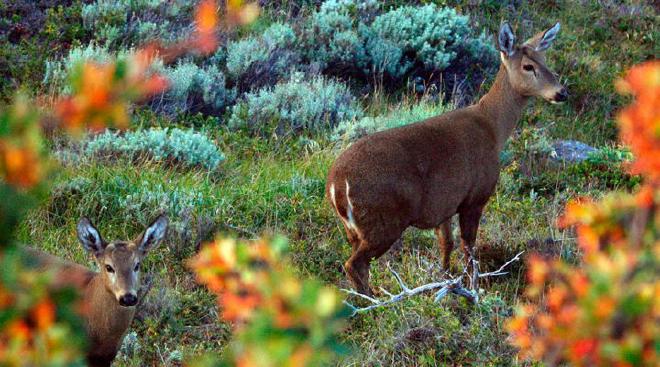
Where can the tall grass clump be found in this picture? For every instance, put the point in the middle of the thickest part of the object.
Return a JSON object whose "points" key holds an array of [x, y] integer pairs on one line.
{"points": [[313, 105], [174, 146]]}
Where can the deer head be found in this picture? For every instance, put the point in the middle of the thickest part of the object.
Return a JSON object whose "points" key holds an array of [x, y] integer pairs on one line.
{"points": [[119, 261], [525, 64]]}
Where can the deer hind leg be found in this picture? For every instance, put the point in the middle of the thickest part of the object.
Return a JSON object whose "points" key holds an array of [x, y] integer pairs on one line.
{"points": [[469, 223], [446, 242], [357, 266]]}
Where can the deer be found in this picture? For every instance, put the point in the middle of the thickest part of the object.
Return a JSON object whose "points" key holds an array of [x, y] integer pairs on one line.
{"points": [[421, 175], [108, 298]]}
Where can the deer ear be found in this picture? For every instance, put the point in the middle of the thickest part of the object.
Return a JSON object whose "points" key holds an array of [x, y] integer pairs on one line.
{"points": [[153, 235], [543, 40], [506, 40], [89, 237]]}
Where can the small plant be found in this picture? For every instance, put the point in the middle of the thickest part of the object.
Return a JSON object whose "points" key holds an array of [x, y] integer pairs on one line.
{"points": [[353, 130], [175, 146], [296, 105]]}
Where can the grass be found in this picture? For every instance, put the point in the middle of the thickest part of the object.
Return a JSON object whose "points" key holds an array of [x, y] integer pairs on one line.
{"points": [[278, 187], [269, 185]]}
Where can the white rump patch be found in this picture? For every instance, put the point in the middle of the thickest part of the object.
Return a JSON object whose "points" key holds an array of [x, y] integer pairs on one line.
{"points": [[349, 211], [332, 195]]}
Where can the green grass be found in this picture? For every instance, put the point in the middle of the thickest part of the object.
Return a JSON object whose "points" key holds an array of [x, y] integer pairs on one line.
{"points": [[269, 185]]}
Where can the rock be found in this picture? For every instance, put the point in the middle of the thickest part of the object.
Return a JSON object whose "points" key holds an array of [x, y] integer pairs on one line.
{"points": [[571, 151]]}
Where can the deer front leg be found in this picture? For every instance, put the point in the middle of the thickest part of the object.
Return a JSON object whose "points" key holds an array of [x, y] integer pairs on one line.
{"points": [[469, 223], [446, 242]]}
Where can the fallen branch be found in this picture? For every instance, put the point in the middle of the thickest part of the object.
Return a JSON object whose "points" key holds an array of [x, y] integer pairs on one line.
{"points": [[442, 288]]}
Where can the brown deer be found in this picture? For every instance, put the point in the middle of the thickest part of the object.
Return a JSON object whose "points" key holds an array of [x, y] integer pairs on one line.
{"points": [[108, 298], [422, 174]]}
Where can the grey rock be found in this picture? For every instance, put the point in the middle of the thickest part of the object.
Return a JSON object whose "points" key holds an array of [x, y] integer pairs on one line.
{"points": [[571, 151]]}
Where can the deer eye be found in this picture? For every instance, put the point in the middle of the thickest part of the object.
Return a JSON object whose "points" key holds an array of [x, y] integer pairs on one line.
{"points": [[137, 267], [528, 67], [109, 269]]}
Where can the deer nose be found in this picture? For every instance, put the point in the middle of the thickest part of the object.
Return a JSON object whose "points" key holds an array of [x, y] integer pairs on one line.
{"points": [[128, 300], [562, 95]]}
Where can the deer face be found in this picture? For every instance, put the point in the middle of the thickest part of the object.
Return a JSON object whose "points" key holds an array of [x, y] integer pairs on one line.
{"points": [[525, 64], [119, 261]]}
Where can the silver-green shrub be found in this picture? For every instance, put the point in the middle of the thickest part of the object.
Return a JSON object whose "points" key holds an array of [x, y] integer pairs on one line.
{"points": [[193, 89], [263, 60], [424, 35], [131, 22], [316, 104], [332, 36], [172, 146], [57, 72], [353, 36], [353, 130]]}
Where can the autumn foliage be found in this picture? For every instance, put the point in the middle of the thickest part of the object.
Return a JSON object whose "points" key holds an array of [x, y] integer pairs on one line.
{"points": [[605, 310], [279, 319]]}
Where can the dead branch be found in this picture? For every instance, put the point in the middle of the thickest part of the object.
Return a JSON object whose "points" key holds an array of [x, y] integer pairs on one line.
{"points": [[442, 288]]}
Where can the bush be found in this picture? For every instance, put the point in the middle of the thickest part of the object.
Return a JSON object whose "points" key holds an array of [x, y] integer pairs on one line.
{"points": [[130, 22], [57, 72], [353, 130], [348, 36], [292, 106], [175, 146], [194, 89], [263, 60], [427, 36], [331, 37]]}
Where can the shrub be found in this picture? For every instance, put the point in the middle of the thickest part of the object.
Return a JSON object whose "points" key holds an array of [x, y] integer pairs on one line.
{"points": [[263, 60], [194, 89], [426, 36], [183, 147], [297, 104], [331, 37], [129, 22], [349, 36], [353, 130], [57, 72]]}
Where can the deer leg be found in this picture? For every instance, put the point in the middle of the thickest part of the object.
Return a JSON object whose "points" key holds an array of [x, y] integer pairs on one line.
{"points": [[446, 242], [357, 266], [469, 223]]}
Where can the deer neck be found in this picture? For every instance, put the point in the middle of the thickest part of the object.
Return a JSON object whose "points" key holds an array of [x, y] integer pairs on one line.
{"points": [[107, 321], [502, 106]]}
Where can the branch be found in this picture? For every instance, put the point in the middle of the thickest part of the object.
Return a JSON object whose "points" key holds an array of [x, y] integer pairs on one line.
{"points": [[499, 271], [442, 288]]}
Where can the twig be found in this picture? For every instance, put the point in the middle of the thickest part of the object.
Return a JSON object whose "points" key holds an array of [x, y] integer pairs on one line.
{"points": [[499, 271], [442, 288]]}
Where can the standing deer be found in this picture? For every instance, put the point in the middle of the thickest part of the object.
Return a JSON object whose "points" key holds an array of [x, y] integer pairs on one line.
{"points": [[108, 297], [422, 174]]}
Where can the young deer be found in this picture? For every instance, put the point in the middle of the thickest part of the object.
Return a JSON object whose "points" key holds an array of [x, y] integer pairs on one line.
{"points": [[422, 174], [109, 296]]}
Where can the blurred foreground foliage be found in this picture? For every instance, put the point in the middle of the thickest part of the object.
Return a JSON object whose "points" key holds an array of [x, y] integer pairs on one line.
{"points": [[605, 310]]}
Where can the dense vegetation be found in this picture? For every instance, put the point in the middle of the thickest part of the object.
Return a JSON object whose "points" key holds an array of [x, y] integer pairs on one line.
{"points": [[242, 142]]}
